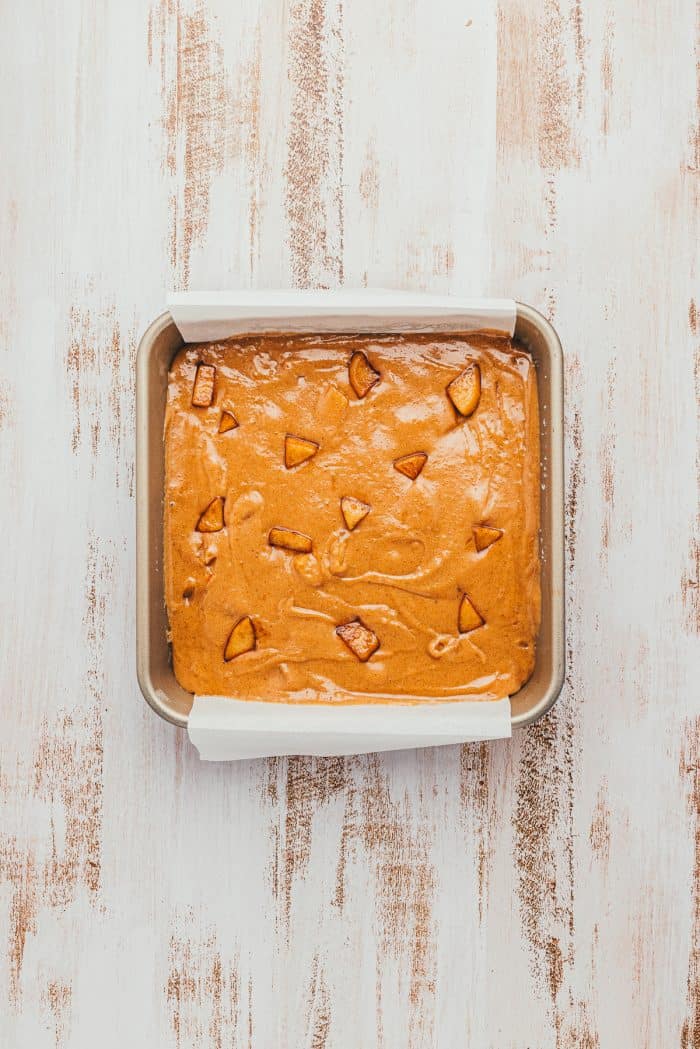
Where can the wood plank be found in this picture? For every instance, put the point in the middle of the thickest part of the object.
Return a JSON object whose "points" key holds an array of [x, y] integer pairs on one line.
{"points": [[549, 152]]}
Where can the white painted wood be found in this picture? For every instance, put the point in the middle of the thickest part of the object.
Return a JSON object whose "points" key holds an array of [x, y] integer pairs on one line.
{"points": [[541, 892]]}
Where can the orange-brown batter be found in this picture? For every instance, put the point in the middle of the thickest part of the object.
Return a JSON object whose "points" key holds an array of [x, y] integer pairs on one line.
{"points": [[352, 518]]}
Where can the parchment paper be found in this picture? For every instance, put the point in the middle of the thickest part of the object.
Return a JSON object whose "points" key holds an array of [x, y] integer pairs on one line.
{"points": [[227, 729]]}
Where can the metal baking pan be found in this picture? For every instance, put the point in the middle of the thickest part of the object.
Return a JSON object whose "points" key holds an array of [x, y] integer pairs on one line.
{"points": [[156, 351]]}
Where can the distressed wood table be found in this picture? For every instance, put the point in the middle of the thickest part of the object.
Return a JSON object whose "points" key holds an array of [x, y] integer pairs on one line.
{"points": [[541, 892]]}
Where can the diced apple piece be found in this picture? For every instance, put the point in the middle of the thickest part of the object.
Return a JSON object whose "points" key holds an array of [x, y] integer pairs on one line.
{"points": [[485, 536], [468, 618], [203, 389], [297, 450], [288, 539], [411, 465], [212, 520], [228, 421], [465, 390], [353, 511], [241, 639], [361, 641], [361, 373]]}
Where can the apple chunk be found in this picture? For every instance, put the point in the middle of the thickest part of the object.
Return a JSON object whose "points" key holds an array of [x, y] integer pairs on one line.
{"points": [[485, 536], [468, 617], [361, 641], [203, 389], [361, 373], [228, 421], [297, 450], [241, 639], [353, 511], [411, 465], [212, 519], [465, 390], [288, 539]]}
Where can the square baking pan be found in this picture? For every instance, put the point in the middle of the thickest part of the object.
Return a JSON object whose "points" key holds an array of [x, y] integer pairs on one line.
{"points": [[156, 351]]}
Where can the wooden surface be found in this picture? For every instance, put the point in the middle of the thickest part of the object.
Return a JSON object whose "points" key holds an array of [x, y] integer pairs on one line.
{"points": [[524, 895]]}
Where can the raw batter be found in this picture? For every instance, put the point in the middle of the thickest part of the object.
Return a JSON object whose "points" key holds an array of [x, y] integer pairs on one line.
{"points": [[352, 518]]}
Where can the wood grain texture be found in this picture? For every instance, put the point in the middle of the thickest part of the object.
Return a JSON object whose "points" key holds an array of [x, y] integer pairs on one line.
{"points": [[547, 151]]}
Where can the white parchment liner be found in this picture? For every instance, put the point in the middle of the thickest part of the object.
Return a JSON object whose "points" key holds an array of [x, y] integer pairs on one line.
{"points": [[226, 729]]}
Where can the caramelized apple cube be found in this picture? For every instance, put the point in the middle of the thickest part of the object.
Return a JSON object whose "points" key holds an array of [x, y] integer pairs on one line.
{"points": [[465, 390], [288, 539], [411, 465], [361, 641], [485, 536], [212, 519], [468, 617], [353, 511], [361, 373], [203, 389], [228, 421], [297, 450], [241, 639]]}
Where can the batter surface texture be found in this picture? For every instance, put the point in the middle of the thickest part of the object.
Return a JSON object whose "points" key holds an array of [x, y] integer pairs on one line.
{"points": [[352, 518]]}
